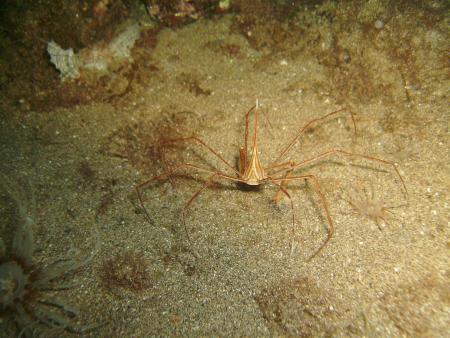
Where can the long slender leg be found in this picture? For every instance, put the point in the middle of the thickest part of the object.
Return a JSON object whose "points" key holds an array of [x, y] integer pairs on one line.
{"points": [[324, 204], [278, 196], [283, 189], [218, 175], [208, 182], [202, 143], [348, 154], [167, 174], [303, 129]]}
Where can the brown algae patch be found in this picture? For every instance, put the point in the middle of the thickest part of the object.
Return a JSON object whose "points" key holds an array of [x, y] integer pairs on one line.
{"points": [[128, 270]]}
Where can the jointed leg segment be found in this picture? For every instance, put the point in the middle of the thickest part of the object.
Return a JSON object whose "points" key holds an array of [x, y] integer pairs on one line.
{"points": [[302, 131], [323, 201], [169, 173], [202, 143], [347, 154]]}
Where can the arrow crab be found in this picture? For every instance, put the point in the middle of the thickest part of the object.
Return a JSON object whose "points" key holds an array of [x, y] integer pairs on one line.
{"points": [[252, 172]]}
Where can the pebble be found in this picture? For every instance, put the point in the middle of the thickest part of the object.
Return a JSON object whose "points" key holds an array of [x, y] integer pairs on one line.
{"points": [[379, 24]]}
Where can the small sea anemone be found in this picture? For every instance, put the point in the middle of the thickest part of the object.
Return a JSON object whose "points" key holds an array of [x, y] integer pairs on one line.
{"points": [[23, 284], [366, 204]]}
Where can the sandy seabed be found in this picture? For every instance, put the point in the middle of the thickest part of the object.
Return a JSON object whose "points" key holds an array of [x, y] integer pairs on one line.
{"points": [[243, 272]]}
